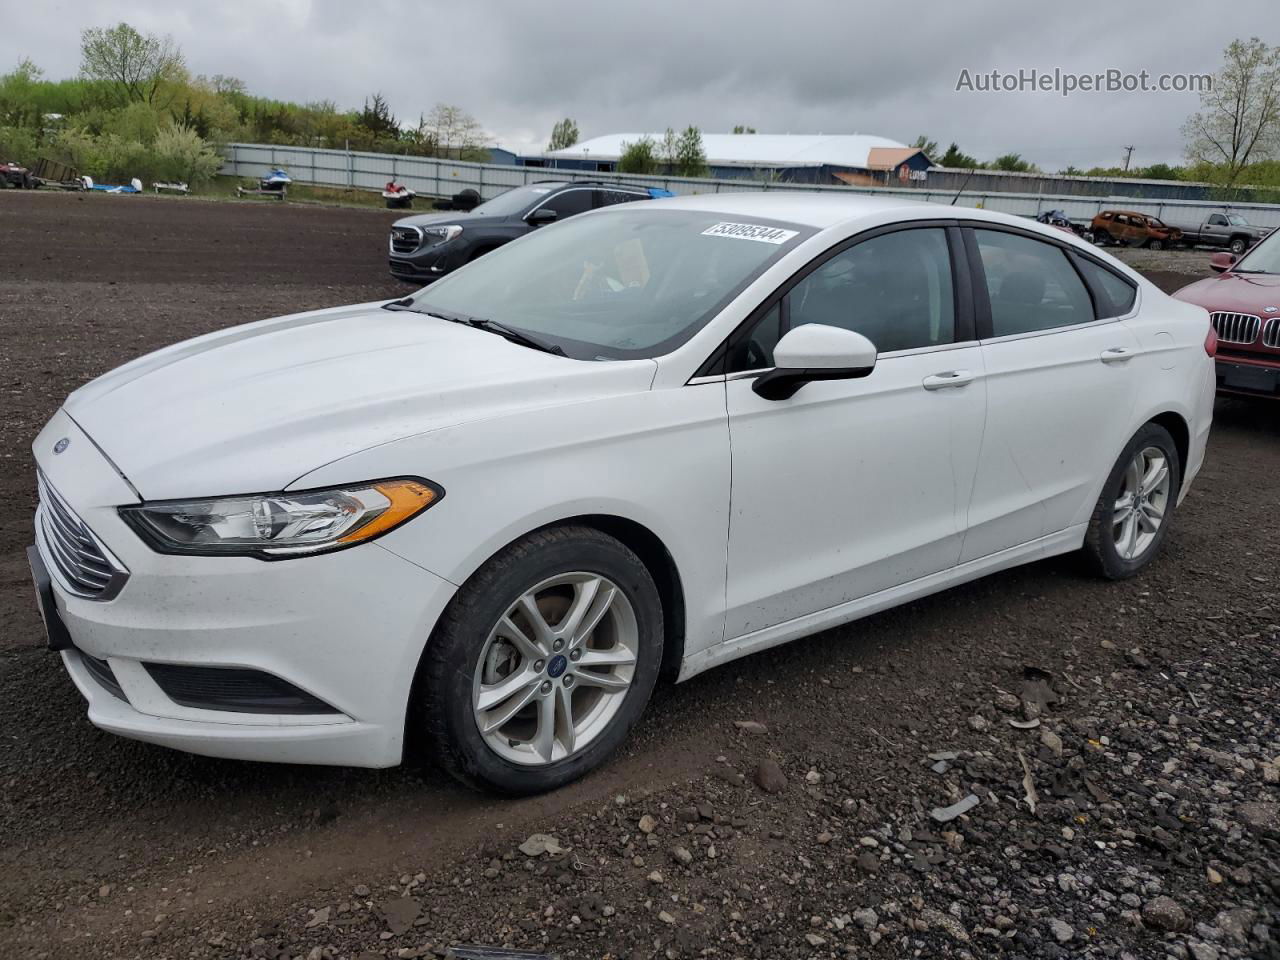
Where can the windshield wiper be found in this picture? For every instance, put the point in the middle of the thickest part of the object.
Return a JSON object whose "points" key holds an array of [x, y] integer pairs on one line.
{"points": [[516, 336], [482, 323]]}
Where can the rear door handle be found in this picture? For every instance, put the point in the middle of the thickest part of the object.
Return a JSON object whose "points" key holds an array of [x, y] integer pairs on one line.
{"points": [[1116, 355], [950, 380]]}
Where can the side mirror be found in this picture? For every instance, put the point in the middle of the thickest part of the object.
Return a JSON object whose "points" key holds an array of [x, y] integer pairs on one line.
{"points": [[815, 351], [1222, 261], [542, 216]]}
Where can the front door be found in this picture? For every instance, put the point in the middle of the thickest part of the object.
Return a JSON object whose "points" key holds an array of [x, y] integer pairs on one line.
{"points": [[851, 487]]}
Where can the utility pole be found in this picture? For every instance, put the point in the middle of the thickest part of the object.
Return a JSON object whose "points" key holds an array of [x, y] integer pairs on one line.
{"points": [[1128, 152]]}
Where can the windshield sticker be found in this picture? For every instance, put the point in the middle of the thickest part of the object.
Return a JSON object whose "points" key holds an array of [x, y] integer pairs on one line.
{"points": [[750, 231]]}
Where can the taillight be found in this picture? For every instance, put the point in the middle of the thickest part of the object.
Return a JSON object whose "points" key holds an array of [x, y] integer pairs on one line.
{"points": [[1211, 342]]}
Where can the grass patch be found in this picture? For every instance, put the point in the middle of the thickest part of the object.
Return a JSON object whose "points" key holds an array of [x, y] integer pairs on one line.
{"points": [[224, 188]]}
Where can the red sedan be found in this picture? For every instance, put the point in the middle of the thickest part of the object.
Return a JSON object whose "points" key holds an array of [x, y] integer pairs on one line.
{"points": [[1244, 302]]}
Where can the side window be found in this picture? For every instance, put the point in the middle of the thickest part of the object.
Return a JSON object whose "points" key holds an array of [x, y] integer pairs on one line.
{"points": [[1120, 293], [1217, 220], [755, 350], [894, 289], [569, 203], [608, 198], [1031, 284]]}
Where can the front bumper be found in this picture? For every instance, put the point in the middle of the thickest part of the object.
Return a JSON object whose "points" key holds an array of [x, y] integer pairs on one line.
{"points": [[1250, 378], [427, 263], [347, 628]]}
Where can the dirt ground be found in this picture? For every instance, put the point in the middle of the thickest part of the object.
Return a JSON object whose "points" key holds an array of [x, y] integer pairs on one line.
{"points": [[810, 832]]}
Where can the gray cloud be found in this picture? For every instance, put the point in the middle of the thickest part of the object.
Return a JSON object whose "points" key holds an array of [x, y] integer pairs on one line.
{"points": [[799, 67]]}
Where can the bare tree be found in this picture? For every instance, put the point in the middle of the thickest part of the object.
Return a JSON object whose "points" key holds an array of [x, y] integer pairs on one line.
{"points": [[452, 130], [1239, 118], [137, 66]]}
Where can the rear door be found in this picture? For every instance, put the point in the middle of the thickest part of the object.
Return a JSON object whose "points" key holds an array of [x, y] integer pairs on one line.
{"points": [[1060, 390]]}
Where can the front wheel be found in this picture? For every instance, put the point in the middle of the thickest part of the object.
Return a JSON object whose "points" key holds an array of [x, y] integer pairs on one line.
{"points": [[1102, 238], [1132, 516], [1155, 244], [1238, 246], [543, 662]]}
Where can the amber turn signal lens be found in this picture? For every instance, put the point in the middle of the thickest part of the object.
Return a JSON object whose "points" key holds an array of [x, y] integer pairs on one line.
{"points": [[407, 497]]}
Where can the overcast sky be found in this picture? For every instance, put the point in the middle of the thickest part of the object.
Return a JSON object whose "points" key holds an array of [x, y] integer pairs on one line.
{"points": [[797, 67]]}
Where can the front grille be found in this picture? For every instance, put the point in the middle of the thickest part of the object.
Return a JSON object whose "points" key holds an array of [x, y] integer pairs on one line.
{"points": [[405, 239], [1271, 335], [87, 569], [235, 689], [1236, 327], [101, 671]]}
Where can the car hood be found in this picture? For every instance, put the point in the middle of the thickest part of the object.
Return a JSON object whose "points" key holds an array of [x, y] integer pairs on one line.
{"points": [[253, 408], [451, 216], [1235, 293]]}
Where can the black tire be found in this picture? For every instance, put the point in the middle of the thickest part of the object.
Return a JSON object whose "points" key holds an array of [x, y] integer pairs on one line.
{"points": [[443, 690], [1102, 238], [1099, 543], [1155, 244], [1239, 245]]}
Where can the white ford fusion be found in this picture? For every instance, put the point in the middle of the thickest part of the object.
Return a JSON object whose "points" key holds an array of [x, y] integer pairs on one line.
{"points": [[638, 443]]}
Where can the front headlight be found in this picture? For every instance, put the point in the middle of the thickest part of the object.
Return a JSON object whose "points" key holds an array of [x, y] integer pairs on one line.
{"points": [[273, 526], [437, 235]]}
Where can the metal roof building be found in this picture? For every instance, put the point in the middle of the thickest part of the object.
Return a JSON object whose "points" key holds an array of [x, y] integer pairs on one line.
{"points": [[810, 158]]}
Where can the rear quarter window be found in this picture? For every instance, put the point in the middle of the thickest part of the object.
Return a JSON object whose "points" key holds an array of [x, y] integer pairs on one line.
{"points": [[1118, 294]]}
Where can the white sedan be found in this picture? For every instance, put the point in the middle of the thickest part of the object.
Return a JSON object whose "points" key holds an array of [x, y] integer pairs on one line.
{"points": [[636, 444]]}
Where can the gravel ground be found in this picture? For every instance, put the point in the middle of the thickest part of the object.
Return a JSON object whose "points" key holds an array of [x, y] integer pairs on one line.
{"points": [[1034, 765]]}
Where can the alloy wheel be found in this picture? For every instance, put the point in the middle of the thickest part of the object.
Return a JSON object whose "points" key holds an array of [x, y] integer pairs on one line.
{"points": [[1142, 503], [555, 669]]}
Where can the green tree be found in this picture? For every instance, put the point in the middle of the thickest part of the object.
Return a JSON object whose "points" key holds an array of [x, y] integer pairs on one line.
{"points": [[669, 151], [377, 119], [181, 154], [742, 129], [563, 135], [1161, 171], [136, 66], [930, 147], [954, 157], [691, 158], [638, 157], [1013, 163], [1239, 118]]}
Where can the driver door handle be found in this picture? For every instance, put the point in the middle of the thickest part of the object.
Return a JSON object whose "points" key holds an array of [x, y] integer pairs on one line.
{"points": [[951, 380], [1116, 355]]}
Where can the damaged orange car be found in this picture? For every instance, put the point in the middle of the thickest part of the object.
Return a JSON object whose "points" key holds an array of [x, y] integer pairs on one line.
{"points": [[1132, 229]]}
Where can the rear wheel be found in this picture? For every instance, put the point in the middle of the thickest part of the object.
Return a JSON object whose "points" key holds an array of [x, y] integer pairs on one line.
{"points": [[1238, 246], [1132, 516], [543, 662]]}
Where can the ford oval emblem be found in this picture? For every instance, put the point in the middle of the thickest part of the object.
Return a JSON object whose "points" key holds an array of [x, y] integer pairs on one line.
{"points": [[62, 445]]}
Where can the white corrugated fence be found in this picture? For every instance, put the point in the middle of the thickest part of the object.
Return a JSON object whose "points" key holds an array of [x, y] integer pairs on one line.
{"points": [[370, 171]]}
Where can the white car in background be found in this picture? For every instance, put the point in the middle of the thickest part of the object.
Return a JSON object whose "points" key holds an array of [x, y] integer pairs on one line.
{"points": [[645, 441]]}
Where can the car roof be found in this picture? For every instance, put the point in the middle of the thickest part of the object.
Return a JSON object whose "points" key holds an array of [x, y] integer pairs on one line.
{"points": [[826, 209]]}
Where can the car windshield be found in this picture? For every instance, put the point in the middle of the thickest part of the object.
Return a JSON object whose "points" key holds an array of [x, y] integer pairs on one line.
{"points": [[1237, 220], [620, 284], [1264, 258], [514, 201]]}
